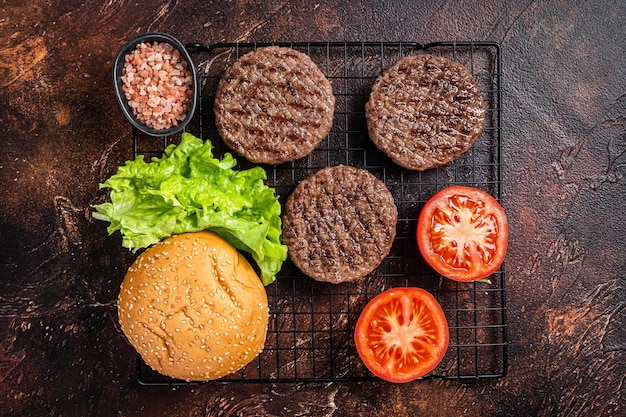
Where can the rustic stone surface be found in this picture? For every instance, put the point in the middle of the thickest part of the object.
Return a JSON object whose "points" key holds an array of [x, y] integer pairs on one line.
{"points": [[564, 154]]}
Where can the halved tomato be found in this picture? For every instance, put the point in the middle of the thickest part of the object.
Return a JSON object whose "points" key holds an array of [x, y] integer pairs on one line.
{"points": [[463, 232], [402, 334]]}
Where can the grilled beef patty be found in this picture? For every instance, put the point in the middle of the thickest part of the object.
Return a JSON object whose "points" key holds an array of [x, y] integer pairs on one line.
{"points": [[339, 224], [274, 105], [425, 111]]}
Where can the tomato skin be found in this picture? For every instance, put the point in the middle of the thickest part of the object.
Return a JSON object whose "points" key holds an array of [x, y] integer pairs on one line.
{"points": [[462, 232], [402, 334]]}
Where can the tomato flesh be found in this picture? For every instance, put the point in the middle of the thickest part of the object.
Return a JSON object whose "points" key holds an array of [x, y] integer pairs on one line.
{"points": [[462, 233], [402, 334]]}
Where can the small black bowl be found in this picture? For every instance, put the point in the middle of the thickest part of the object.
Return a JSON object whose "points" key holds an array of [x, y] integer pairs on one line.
{"points": [[118, 65]]}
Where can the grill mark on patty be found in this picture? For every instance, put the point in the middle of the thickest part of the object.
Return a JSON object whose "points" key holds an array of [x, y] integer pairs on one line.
{"points": [[339, 224]]}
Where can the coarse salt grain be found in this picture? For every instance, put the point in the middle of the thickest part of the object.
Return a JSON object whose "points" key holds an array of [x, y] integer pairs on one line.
{"points": [[157, 84]]}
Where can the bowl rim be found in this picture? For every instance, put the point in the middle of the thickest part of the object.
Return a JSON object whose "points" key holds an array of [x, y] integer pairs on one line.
{"points": [[118, 65]]}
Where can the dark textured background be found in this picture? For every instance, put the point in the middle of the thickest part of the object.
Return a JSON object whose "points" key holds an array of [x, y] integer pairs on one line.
{"points": [[564, 155]]}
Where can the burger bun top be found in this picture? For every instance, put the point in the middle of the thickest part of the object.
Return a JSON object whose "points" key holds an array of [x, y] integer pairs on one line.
{"points": [[193, 307]]}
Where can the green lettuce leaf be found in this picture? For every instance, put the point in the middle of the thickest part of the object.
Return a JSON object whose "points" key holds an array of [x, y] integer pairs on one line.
{"points": [[188, 190]]}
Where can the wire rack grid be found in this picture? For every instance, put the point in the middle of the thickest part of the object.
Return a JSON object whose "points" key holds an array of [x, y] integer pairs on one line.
{"points": [[310, 334]]}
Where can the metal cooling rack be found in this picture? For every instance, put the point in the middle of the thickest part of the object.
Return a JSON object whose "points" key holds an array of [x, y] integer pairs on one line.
{"points": [[310, 335]]}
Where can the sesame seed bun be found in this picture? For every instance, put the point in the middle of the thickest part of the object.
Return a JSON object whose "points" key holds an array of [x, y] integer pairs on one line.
{"points": [[193, 307]]}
